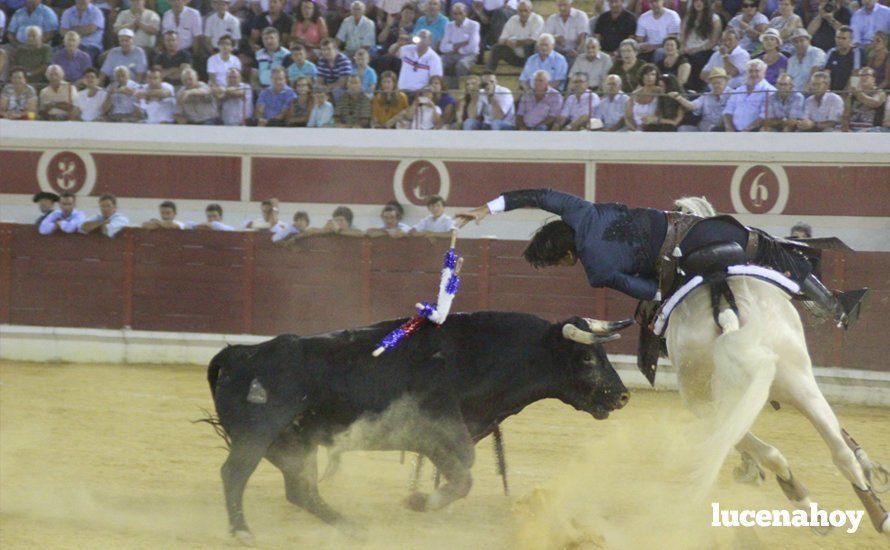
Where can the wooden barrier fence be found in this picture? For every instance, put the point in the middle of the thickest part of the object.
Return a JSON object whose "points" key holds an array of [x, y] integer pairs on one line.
{"points": [[216, 282]]}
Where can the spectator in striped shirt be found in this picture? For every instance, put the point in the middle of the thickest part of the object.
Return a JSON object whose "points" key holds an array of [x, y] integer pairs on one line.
{"points": [[333, 68]]}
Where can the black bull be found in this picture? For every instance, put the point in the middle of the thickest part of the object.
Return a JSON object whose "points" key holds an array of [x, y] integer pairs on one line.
{"points": [[435, 394]]}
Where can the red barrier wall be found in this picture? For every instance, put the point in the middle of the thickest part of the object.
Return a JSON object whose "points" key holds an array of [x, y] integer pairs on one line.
{"points": [[212, 282]]}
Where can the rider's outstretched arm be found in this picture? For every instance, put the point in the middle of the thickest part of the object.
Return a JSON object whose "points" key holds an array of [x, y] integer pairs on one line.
{"points": [[568, 206]]}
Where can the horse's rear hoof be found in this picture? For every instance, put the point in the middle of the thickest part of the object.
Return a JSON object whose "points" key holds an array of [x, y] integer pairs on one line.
{"points": [[821, 530], [416, 501], [244, 538]]}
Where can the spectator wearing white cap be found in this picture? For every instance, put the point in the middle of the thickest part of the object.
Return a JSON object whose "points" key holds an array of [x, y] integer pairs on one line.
{"points": [[805, 60], [221, 23], [775, 60], [127, 54], [145, 24]]}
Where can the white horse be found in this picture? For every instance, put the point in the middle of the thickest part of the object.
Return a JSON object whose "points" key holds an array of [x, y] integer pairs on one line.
{"points": [[729, 372]]}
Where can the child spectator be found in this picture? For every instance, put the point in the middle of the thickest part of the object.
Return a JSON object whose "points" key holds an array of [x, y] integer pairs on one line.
{"points": [[292, 231], [300, 66], [391, 216], [109, 221], [66, 219], [168, 219], [437, 224], [322, 115], [341, 223], [214, 222], [219, 64], [353, 108], [366, 73]]}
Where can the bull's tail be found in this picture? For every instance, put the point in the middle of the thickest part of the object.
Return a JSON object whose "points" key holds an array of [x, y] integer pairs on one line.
{"points": [[209, 418], [744, 369]]}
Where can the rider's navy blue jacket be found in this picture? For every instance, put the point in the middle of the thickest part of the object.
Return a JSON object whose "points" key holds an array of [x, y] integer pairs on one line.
{"points": [[616, 245]]}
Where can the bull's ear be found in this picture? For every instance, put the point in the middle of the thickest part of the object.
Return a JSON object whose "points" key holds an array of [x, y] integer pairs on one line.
{"points": [[607, 327]]}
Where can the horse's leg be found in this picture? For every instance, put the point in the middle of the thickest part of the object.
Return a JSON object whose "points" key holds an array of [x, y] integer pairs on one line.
{"points": [[774, 461], [297, 459], [807, 398]]}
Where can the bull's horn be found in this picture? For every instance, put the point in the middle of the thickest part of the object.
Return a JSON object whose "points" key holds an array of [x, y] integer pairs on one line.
{"points": [[575, 334], [607, 327]]}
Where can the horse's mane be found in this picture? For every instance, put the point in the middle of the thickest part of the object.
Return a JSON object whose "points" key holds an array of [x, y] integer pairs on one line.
{"points": [[698, 206]]}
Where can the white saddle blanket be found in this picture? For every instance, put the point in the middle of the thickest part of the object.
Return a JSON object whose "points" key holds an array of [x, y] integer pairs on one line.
{"points": [[764, 273]]}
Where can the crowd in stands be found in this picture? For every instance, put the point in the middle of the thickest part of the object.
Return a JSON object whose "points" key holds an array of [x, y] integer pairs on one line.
{"points": [[624, 65], [59, 213]]}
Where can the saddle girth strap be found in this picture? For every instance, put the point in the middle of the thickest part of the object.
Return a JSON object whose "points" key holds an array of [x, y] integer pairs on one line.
{"points": [[678, 225]]}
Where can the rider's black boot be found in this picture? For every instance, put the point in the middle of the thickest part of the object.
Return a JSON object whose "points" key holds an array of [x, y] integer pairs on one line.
{"points": [[843, 307]]}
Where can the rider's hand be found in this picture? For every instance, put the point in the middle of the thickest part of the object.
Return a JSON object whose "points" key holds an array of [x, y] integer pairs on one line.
{"points": [[477, 214]]}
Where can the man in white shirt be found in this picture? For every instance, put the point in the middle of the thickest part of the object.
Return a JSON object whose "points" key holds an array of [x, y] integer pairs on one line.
{"points": [[612, 104], [653, 27], [579, 107], [731, 57], [519, 37], [168, 220], [186, 22], [66, 219], [496, 104], [746, 108], [419, 63], [356, 31], [214, 222], [158, 99], [89, 101], [109, 221], [221, 23], [459, 46], [145, 24], [219, 63], [294, 230], [569, 26], [437, 224]]}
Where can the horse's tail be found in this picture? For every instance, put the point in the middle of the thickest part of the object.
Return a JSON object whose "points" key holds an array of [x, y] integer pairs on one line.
{"points": [[744, 368]]}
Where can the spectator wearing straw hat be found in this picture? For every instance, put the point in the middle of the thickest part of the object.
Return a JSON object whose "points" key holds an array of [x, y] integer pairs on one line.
{"points": [[805, 60], [709, 106], [775, 60]]}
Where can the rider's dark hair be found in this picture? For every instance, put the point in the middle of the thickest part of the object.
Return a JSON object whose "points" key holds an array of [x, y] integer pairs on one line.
{"points": [[550, 244]]}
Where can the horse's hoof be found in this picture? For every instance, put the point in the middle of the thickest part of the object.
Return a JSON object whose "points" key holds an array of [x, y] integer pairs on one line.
{"points": [[748, 472], [416, 501], [244, 538], [821, 530]]}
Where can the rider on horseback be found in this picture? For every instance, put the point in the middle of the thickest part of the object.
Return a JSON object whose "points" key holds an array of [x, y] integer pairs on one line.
{"points": [[639, 251]]}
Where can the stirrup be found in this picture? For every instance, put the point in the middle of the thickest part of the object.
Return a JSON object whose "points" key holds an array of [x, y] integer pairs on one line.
{"points": [[851, 304]]}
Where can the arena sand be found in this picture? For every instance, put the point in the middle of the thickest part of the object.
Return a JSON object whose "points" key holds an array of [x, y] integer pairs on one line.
{"points": [[106, 457]]}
